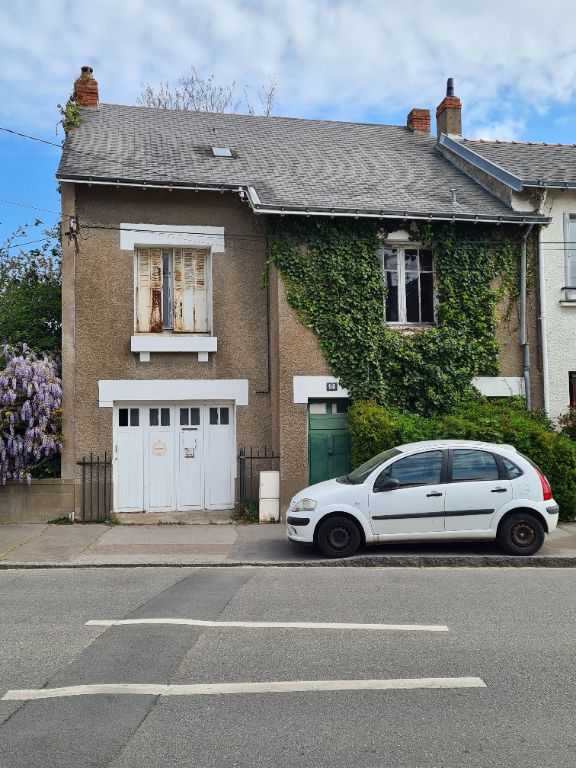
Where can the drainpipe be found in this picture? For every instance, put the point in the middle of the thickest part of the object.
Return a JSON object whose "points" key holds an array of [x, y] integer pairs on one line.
{"points": [[542, 297], [523, 342]]}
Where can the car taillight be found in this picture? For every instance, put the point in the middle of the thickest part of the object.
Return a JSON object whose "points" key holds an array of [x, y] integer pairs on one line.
{"points": [[546, 490]]}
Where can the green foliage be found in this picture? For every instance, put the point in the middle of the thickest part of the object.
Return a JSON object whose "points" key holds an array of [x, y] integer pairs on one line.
{"points": [[374, 429], [61, 521], [333, 279], [246, 512], [30, 293], [71, 117], [567, 423]]}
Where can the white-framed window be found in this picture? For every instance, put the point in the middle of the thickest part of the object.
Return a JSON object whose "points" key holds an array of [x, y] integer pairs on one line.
{"points": [[173, 290], [409, 277], [570, 256]]}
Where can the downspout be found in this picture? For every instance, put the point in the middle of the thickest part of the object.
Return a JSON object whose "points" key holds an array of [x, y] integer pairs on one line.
{"points": [[542, 298], [523, 342]]}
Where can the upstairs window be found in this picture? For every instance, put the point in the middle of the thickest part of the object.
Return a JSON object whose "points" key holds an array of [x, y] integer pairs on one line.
{"points": [[172, 290], [409, 277], [570, 257]]}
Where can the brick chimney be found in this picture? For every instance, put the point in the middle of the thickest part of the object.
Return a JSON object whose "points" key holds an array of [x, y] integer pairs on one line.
{"points": [[449, 112], [418, 121], [86, 89]]}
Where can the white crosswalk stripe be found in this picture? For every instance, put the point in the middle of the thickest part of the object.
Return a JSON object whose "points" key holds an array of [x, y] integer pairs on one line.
{"points": [[272, 624]]}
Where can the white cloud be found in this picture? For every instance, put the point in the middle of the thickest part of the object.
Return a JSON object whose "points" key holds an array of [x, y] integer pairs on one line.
{"points": [[340, 58]]}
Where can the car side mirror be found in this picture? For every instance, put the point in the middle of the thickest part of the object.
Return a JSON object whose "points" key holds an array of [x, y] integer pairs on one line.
{"points": [[390, 484]]}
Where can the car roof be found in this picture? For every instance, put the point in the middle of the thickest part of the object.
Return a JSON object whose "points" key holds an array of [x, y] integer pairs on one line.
{"points": [[423, 445]]}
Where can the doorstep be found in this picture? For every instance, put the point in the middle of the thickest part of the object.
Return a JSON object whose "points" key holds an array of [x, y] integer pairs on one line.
{"points": [[200, 517]]}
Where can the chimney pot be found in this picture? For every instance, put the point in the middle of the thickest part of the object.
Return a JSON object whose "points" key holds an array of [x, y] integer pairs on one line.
{"points": [[86, 89], [418, 121], [449, 113]]}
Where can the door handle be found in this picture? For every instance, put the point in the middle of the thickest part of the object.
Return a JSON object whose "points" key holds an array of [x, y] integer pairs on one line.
{"points": [[434, 493], [498, 490]]}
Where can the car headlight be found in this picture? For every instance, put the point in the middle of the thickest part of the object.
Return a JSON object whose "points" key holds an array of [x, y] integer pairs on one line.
{"points": [[305, 505]]}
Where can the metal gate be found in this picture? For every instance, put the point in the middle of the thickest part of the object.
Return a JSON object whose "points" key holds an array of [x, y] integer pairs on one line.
{"points": [[96, 499]]}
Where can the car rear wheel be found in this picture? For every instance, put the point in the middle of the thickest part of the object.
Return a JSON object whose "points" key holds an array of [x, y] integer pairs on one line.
{"points": [[338, 536], [521, 534]]}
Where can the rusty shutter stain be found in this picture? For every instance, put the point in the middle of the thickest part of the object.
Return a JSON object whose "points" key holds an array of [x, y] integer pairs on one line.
{"points": [[190, 291], [149, 290]]}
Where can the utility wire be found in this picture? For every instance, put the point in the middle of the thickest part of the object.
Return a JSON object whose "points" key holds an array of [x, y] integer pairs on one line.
{"points": [[28, 205], [29, 242], [32, 138]]}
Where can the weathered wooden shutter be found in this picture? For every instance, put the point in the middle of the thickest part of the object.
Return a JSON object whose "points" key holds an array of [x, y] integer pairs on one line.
{"points": [[190, 291], [149, 290]]}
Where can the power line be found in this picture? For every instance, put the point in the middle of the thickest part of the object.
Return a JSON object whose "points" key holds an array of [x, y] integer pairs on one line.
{"points": [[29, 242], [32, 138], [28, 205]]}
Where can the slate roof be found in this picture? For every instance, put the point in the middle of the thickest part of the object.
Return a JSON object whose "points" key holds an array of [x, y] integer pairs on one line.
{"points": [[292, 164], [533, 164]]}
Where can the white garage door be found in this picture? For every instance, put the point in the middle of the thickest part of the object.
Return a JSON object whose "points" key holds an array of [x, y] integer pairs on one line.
{"points": [[171, 457]]}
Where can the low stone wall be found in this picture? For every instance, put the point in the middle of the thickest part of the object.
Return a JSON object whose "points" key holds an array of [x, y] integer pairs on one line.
{"points": [[37, 503]]}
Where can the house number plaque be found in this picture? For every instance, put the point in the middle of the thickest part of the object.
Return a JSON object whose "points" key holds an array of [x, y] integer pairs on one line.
{"points": [[332, 386]]}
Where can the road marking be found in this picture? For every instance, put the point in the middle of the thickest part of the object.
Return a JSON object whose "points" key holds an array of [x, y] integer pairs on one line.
{"points": [[270, 624], [203, 689]]}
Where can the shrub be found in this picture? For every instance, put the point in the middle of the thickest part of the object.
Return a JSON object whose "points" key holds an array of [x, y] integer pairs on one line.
{"points": [[567, 423], [374, 429]]}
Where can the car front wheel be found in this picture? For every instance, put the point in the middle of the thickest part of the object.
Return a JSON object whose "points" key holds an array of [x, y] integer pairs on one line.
{"points": [[338, 536], [521, 534]]}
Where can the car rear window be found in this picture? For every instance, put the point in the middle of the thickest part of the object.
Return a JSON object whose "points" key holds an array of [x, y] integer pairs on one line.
{"points": [[512, 469]]}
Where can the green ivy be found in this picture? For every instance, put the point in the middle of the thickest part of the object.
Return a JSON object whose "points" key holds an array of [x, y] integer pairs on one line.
{"points": [[333, 277]]}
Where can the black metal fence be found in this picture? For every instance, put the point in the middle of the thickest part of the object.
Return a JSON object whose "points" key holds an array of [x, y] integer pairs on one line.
{"points": [[250, 463], [96, 500]]}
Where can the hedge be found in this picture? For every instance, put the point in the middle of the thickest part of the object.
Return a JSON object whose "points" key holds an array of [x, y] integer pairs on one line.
{"points": [[374, 429]]}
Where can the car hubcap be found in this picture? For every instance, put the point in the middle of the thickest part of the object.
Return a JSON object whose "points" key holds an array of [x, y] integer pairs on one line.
{"points": [[522, 534], [338, 537]]}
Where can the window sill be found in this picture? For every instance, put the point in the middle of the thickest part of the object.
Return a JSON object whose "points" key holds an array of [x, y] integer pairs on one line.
{"points": [[568, 303], [146, 343]]}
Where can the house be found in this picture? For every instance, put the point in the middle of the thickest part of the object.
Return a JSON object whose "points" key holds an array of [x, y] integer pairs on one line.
{"points": [[174, 358], [537, 178]]}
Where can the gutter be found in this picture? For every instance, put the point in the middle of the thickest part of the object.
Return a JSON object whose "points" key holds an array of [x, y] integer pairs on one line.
{"points": [[248, 192]]}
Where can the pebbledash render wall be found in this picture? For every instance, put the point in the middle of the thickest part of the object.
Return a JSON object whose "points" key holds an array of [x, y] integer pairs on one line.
{"points": [[259, 336], [98, 310]]}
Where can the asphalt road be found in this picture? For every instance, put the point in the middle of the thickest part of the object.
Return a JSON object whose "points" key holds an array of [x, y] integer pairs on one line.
{"points": [[513, 628]]}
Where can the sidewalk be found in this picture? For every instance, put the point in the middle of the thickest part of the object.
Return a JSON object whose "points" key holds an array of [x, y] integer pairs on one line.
{"points": [[95, 545]]}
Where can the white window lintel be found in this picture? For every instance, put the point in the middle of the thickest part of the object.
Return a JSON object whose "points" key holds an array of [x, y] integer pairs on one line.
{"points": [[170, 235]]}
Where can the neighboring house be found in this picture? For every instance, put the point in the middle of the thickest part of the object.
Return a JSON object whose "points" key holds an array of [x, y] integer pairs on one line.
{"points": [[538, 178], [173, 356]]}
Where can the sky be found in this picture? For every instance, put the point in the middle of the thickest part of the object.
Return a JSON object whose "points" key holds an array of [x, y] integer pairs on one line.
{"points": [[513, 62]]}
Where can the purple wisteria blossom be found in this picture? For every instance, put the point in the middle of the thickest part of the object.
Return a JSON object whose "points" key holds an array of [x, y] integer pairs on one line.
{"points": [[30, 412]]}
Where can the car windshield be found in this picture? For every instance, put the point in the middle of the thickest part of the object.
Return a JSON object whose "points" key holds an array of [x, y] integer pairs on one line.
{"points": [[359, 475]]}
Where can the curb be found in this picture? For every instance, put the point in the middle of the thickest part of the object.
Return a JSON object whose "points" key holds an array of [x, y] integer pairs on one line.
{"points": [[361, 561]]}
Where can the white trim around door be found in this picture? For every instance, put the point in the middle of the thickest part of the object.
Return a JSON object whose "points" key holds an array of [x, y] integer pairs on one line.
{"points": [[111, 391]]}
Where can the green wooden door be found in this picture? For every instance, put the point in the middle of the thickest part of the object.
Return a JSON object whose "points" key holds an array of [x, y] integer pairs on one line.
{"points": [[328, 441]]}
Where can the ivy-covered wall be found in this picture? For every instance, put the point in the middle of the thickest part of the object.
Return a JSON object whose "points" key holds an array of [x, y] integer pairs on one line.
{"points": [[333, 278]]}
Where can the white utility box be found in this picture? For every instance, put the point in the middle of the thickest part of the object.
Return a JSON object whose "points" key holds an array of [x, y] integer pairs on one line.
{"points": [[269, 508]]}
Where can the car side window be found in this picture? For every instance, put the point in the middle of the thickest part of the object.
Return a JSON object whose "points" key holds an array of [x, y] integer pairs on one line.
{"points": [[420, 469], [473, 465], [512, 470]]}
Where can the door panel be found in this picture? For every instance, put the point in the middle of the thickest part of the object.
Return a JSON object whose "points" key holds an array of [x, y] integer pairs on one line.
{"points": [[190, 476], [129, 481], [328, 442], [417, 506], [476, 492], [160, 465], [219, 458]]}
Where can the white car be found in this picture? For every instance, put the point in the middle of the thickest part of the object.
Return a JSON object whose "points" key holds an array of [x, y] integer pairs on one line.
{"points": [[429, 491]]}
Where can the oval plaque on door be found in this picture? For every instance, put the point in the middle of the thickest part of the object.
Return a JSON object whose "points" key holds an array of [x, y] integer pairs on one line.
{"points": [[159, 448]]}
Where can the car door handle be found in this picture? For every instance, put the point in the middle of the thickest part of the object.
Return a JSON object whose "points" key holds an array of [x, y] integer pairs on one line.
{"points": [[498, 490], [434, 493]]}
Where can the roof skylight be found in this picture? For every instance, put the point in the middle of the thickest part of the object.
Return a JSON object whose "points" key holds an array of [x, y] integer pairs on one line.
{"points": [[221, 152]]}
